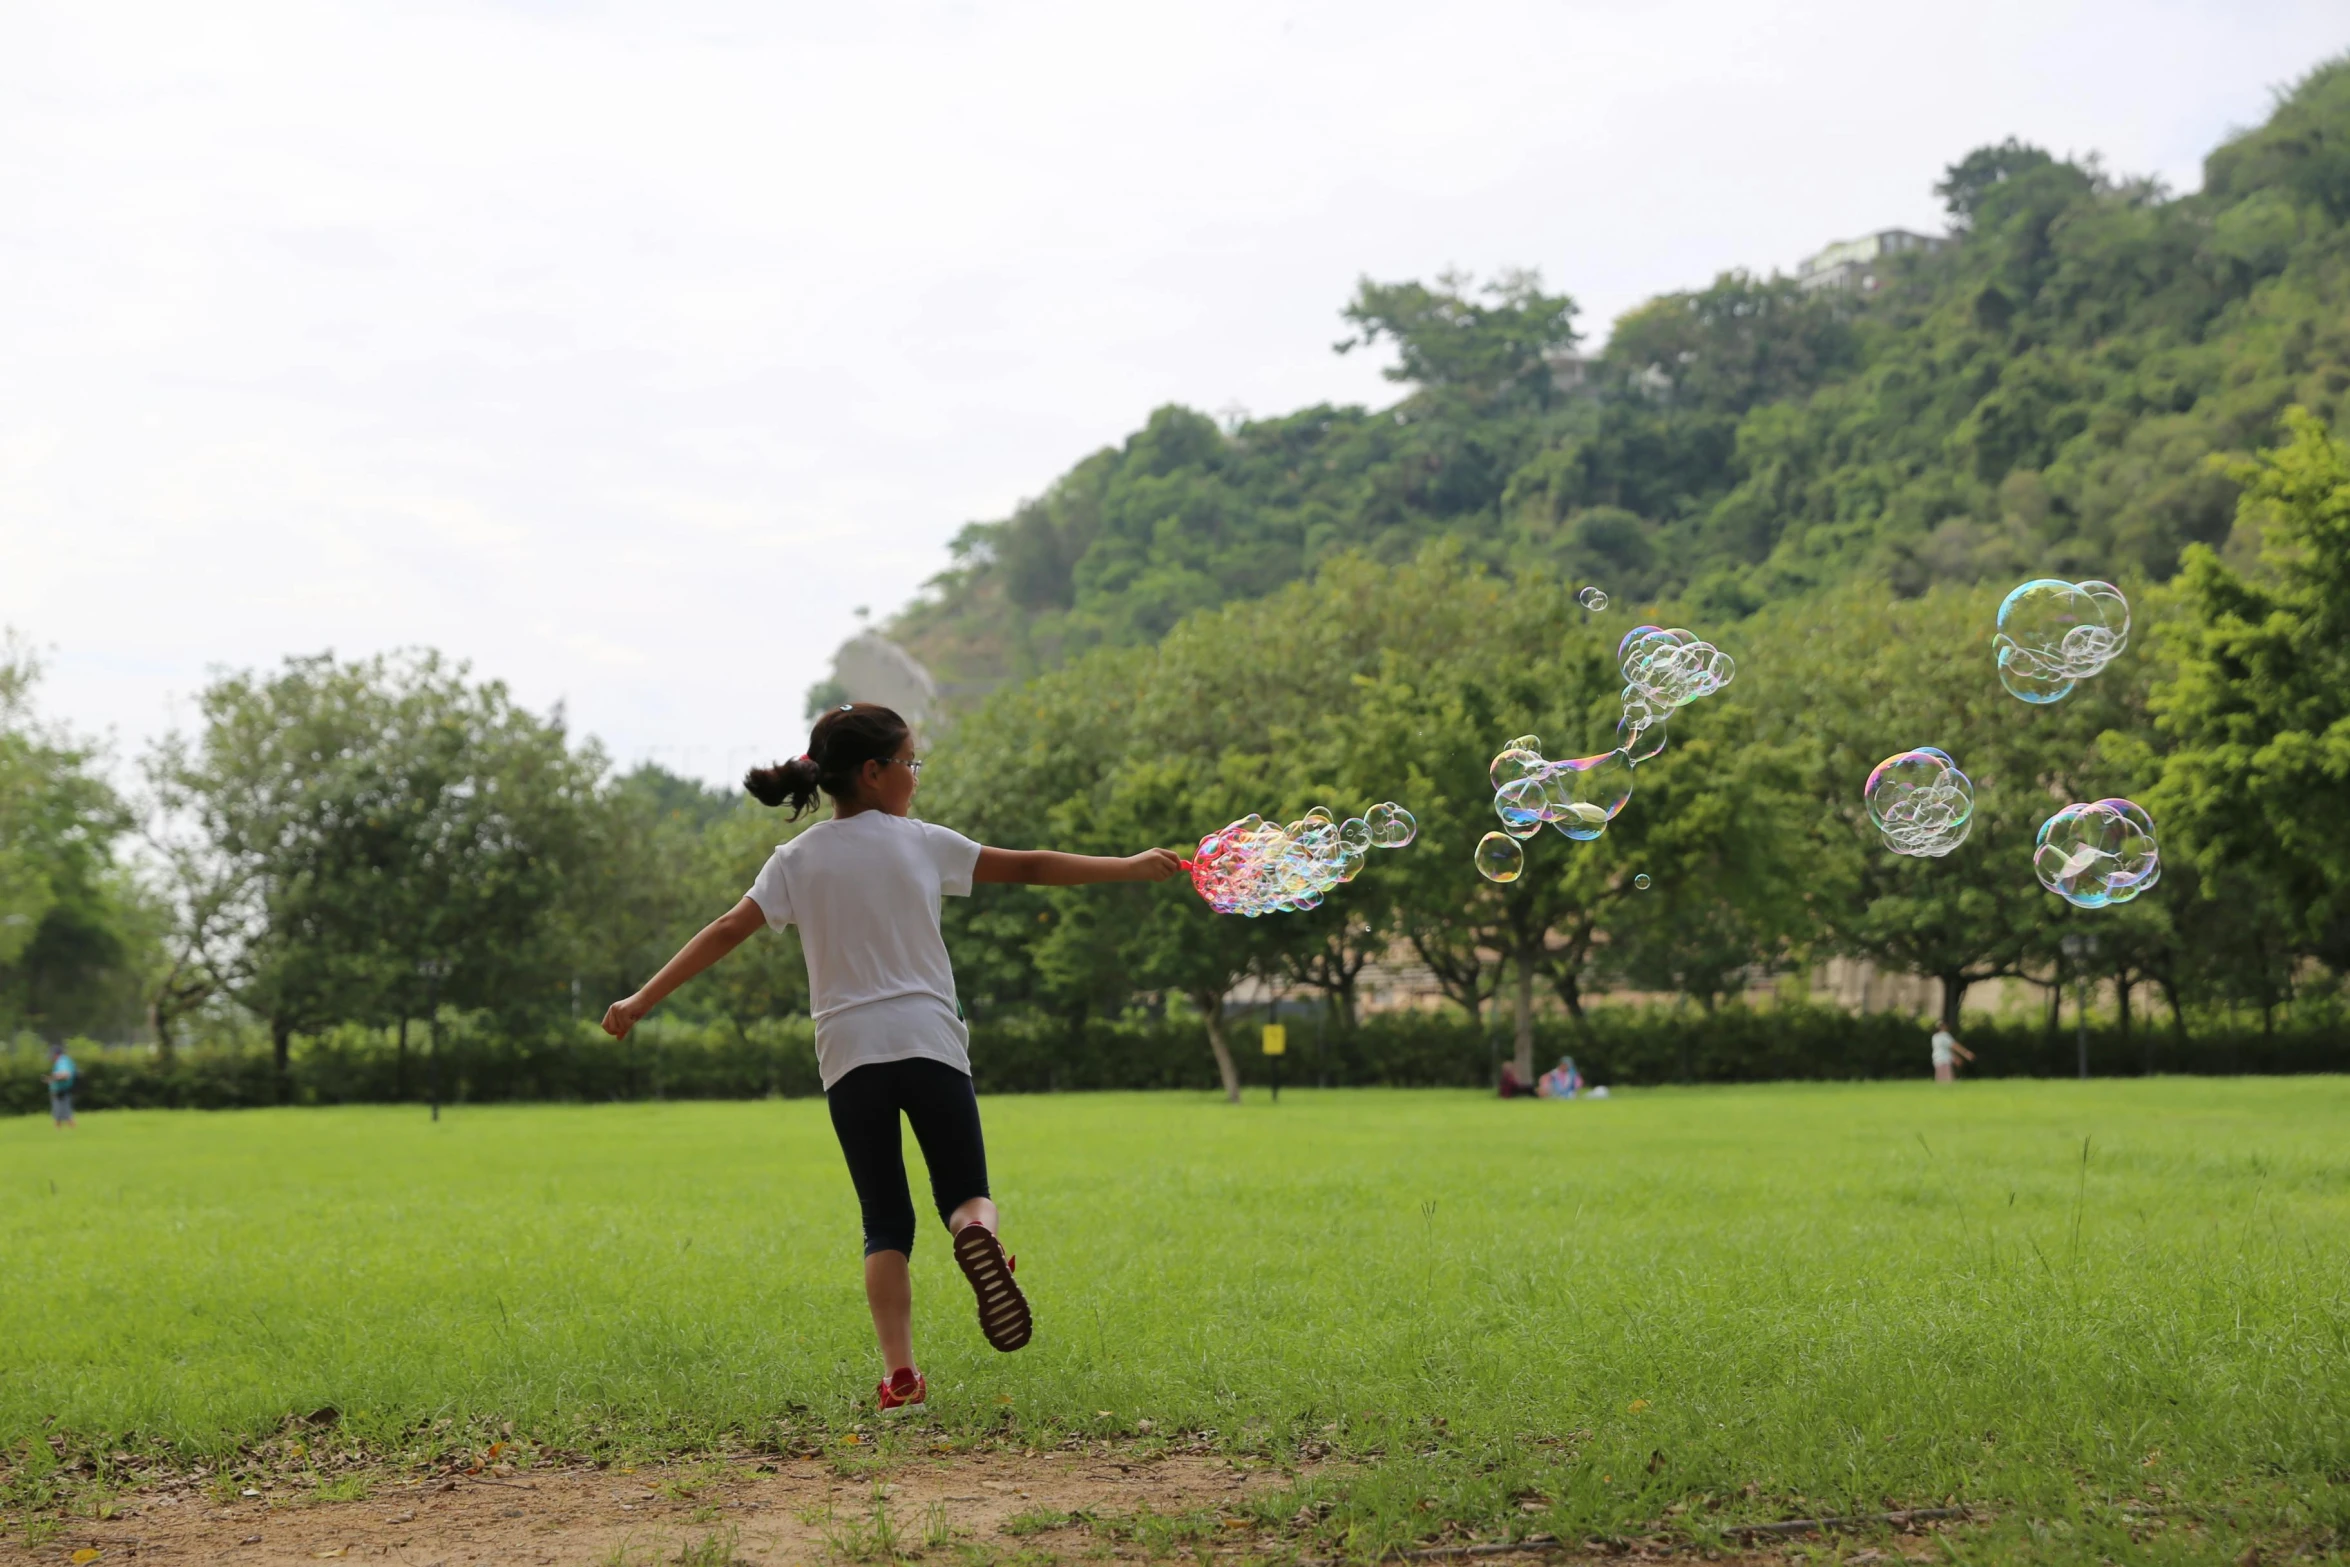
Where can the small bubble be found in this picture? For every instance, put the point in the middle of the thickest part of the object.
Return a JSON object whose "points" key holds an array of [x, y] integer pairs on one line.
{"points": [[1500, 857], [1641, 881], [1592, 599]]}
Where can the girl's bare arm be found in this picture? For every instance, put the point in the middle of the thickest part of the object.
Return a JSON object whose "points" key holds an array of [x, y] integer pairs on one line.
{"points": [[712, 942], [1052, 868]]}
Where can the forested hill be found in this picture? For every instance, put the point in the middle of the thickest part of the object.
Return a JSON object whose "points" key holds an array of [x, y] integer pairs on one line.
{"points": [[2039, 396]]}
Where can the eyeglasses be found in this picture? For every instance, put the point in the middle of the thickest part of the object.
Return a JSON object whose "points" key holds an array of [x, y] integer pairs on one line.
{"points": [[910, 764]]}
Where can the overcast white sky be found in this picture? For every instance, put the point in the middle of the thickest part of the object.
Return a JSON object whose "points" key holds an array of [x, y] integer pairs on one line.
{"points": [[623, 349]]}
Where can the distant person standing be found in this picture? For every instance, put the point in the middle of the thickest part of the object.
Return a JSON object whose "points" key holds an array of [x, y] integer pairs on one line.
{"points": [[62, 1073], [1945, 1046]]}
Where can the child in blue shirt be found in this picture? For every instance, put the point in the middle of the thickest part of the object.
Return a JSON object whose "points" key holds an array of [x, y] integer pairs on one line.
{"points": [[62, 1073]]}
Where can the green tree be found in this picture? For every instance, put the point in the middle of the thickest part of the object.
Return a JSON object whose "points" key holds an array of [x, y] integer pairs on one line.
{"points": [[1445, 341], [2254, 703], [1852, 677], [75, 931], [393, 839]]}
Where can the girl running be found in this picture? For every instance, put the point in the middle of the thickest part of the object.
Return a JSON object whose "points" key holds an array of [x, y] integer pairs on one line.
{"points": [[864, 889]]}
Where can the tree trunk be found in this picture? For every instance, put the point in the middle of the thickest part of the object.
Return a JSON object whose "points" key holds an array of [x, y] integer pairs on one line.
{"points": [[1954, 989], [1211, 1008], [1522, 1050], [162, 1027], [400, 1064], [2122, 985], [2178, 1014], [1569, 987], [281, 1045]]}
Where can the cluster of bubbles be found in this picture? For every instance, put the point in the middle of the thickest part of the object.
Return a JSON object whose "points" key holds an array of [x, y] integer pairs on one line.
{"points": [[1253, 866], [1593, 599], [1663, 670], [1921, 802], [2053, 634], [2097, 854]]}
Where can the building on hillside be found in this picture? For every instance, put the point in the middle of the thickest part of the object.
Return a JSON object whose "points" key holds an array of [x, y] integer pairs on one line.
{"points": [[869, 667], [1859, 264], [1577, 375], [1570, 372]]}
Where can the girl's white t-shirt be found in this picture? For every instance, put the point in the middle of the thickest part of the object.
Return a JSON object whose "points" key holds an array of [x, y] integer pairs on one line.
{"points": [[865, 893]]}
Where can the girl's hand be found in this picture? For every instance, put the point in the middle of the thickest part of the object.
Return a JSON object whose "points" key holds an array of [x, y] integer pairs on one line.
{"points": [[621, 1016], [1155, 864]]}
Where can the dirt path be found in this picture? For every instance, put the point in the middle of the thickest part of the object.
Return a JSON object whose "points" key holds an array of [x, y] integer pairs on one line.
{"points": [[702, 1515]]}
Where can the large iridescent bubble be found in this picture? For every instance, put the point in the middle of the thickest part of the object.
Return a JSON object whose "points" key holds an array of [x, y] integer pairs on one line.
{"points": [[2097, 854], [2053, 634], [1921, 802], [1253, 866]]}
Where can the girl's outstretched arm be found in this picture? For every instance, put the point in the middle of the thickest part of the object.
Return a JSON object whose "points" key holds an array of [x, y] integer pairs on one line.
{"points": [[1052, 868], [712, 942]]}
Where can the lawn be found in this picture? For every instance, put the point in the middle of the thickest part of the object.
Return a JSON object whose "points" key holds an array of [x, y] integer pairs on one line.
{"points": [[1696, 1306]]}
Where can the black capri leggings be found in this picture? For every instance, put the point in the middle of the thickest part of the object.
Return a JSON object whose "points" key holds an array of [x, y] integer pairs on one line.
{"points": [[944, 1110]]}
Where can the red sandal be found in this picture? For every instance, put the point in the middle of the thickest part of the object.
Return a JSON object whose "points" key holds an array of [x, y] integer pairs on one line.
{"points": [[903, 1386], [1003, 1310]]}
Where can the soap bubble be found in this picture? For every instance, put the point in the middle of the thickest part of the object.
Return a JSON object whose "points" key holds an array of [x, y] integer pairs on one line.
{"points": [[1515, 761], [1663, 669], [1500, 857], [1672, 668], [1639, 742], [1921, 802], [2097, 854], [1641, 881], [1588, 792], [1392, 827], [1523, 806], [1254, 867], [2054, 633], [1592, 599]]}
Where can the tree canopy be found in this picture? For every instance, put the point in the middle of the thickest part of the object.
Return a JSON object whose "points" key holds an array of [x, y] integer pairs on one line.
{"points": [[2039, 395]]}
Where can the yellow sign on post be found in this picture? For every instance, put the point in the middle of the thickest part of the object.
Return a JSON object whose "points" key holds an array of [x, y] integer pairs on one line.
{"points": [[1276, 1039]]}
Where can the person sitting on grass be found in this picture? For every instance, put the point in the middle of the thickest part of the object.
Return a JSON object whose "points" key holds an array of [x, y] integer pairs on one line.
{"points": [[864, 889], [62, 1073], [1561, 1081], [1512, 1085]]}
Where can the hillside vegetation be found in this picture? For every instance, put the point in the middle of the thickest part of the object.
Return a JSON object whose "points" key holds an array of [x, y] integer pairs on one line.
{"points": [[2040, 396]]}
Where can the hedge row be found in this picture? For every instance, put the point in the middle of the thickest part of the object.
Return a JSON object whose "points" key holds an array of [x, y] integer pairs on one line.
{"points": [[680, 1061]]}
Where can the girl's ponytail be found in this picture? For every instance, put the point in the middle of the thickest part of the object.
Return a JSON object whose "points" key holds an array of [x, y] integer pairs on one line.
{"points": [[791, 783], [844, 740]]}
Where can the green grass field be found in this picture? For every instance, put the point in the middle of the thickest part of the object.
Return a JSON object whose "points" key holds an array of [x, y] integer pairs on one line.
{"points": [[1784, 1299]]}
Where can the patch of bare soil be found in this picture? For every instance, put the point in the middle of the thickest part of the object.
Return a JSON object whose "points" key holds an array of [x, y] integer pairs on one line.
{"points": [[965, 1507]]}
